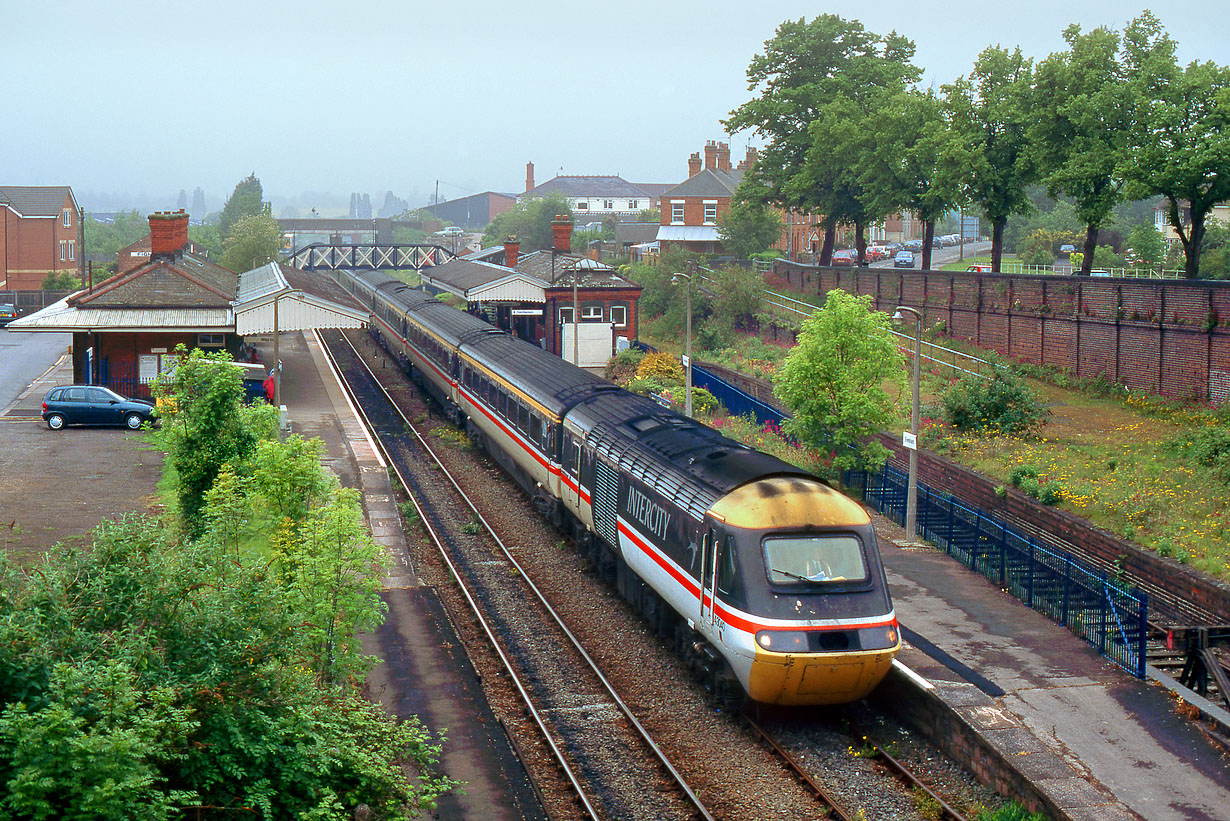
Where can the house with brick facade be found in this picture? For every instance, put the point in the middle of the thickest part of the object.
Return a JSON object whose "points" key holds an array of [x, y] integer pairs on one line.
{"points": [[40, 234]]}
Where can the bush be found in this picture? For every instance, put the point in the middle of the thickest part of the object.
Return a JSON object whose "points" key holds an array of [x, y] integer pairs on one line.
{"points": [[703, 401], [662, 367], [622, 366], [1003, 403], [1208, 447]]}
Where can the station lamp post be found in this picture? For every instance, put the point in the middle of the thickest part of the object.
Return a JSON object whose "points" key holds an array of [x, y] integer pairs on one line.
{"points": [[911, 441], [687, 364]]}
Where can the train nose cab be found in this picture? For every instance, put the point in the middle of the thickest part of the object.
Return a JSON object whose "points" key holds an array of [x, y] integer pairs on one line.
{"points": [[809, 620]]}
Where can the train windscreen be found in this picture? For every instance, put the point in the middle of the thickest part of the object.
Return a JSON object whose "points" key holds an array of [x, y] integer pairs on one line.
{"points": [[815, 559]]}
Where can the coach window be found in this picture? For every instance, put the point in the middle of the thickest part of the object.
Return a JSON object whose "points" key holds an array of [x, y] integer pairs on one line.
{"points": [[548, 437], [523, 418], [501, 403], [535, 429]]}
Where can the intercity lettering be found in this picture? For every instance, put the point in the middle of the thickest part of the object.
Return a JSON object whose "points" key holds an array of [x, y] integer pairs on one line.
{"points": [[652, 515]]}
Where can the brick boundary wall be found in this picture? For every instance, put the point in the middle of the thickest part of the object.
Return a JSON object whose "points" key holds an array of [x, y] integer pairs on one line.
{"points": [[1170, 337], [1166, 580]]}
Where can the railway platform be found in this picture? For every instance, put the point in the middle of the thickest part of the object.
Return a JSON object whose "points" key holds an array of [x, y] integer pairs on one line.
{"points": [[1098, 743]]}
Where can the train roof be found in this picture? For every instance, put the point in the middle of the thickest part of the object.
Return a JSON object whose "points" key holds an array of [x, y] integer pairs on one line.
{"points": [[543, 376], [685, 461], [372, 279], [450, 324]]}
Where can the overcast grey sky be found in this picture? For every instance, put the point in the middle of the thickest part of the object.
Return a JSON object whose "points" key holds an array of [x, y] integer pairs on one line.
{"points": [[150, 98]]}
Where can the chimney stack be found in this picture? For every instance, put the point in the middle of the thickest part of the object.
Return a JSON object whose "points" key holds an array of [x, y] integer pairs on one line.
{"points": [[529, 177], [710, 155], [512, 250], [168, 234], [751, 158], [561, 233], [723, 157], [694, 165]]}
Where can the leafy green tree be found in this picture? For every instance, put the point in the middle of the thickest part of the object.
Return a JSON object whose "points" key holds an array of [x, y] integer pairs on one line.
{"points": [[252, 241], [805, 67], [1148, 248], [1179, 143], [649, 215], [107, 238], [208, 237], [61, 281], [1080, 124], [748, 227], [145, 677], [206, 425], [989, 108], [244, 201], [832, 380], [915, 161], [530, 221], [736, 297]]}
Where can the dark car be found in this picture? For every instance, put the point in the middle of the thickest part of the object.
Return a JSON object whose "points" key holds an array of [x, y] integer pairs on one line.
{"points": [[913, 245], [904, 259], [93, 405], [8, 312]]}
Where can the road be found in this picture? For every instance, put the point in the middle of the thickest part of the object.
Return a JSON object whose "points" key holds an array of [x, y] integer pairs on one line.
{"points": [[942, 256], [24, 357]]}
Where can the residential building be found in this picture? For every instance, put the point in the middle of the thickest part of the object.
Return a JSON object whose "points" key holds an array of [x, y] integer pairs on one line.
{"points": [[594, 198], [40, 234], [1161, 218]]}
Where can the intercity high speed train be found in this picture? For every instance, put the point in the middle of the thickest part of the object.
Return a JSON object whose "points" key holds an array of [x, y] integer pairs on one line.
{"points": [[767, 581]]}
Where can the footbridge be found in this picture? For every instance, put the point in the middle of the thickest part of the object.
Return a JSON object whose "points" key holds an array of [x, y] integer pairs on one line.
{"points": [[371, 256]]}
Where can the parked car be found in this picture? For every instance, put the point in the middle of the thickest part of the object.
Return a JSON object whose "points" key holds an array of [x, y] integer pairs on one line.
{"points": [[979, 269], [8, 312], [1067, 249], [875, 253], [844, 258], [93, 405], [913, 245], [892, 248], [451, 231], [904, 259]]}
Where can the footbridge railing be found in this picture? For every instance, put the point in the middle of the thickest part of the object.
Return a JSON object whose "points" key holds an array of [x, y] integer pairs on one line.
{"points": [[370, 257]]}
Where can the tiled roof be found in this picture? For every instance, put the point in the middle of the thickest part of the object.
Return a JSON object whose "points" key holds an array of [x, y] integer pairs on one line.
{"points": [[36, 200], [707, 183], [635, 232], [464, 274], [591, 274], [184, 282], [655, 189], [582, 186]]}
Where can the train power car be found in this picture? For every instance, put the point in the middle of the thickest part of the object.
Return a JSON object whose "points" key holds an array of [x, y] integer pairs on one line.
{"points": [[767, 581]]}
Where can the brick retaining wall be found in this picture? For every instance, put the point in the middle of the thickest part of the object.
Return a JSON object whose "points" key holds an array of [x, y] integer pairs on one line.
{"points": [[1164, 336]]}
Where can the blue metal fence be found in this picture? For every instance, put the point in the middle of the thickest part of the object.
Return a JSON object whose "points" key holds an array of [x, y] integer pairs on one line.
{"points": [[1109, 616], [736, 402]]}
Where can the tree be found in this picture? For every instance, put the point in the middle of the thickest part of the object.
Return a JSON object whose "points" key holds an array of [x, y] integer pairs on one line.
{"points": [[1080, 125], [1147, 247], [806, 66], [1179, 143], [61, 281], [749, 226], [107, 238], [208, 237], [252, 241], [245, 201], [989, 108], [529, 221], [916, 161], [832, 380]]}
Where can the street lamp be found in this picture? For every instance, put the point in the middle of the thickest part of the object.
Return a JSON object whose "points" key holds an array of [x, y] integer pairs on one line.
{"points": [[687, 358], [911, 497]]}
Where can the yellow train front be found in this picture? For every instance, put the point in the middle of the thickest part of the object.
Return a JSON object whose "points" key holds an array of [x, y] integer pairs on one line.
{"points": [[812, 621]]}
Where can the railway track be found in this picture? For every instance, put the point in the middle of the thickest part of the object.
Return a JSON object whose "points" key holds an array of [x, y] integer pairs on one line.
{"points": [[409, 452], [615, 767]]}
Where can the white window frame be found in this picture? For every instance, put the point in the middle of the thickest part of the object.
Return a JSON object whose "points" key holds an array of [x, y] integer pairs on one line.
{"points": [[677, 212], [68, 218], [63, 250], [211, 340], [634, 204], [619, 316], [609, 205], [591, 313], [565, 315], [72, 250], [582, 205], [710, 212]]}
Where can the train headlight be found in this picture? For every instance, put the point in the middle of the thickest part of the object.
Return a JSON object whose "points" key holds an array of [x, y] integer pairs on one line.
{"points": [[782, 641], [878, 638]]}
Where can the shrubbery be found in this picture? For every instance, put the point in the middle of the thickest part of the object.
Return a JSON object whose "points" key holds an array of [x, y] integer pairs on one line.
{"points": [[1003, 403], [1208, 447]]}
